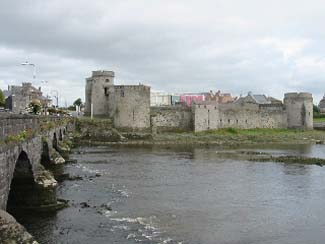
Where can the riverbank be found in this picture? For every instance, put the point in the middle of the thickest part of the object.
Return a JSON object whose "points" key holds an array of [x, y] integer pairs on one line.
{"points": [[222, 137]]}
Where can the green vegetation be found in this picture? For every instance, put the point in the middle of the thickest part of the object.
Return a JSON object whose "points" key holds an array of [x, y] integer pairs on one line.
{"points": [[96, 123], [78, 102], [318, 117], [252, 132], [47, 125], [55, 111], [2, 99], [322, 119], [72, 108], [231, 137], [35, 107], [315, 109], [23, 135]]}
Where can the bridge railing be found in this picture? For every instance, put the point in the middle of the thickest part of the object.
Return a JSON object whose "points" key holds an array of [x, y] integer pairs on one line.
{"points": [[14, 124]]}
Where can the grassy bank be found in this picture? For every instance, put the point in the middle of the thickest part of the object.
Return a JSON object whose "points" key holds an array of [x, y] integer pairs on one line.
{"points": [[100, 131], [232, 136], [319, 119]]}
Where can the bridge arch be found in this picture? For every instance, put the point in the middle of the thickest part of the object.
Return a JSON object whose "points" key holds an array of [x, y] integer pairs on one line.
{"points": [[45, 157], [60, 135], [21, 186], [55, 141]]}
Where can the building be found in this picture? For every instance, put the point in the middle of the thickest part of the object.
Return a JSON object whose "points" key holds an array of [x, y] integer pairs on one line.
{"points": [[18, 98], [220, 97], [258, 99], [127, 105], [190, 98], [160, 99]]}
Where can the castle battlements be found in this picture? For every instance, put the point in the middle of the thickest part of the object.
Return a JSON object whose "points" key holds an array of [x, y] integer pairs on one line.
{"points": [[129, 107]]}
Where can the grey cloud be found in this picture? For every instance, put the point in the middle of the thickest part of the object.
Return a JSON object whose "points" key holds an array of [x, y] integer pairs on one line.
{"points": [[171, 45]]}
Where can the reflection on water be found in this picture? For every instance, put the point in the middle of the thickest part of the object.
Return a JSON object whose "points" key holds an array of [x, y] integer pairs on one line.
{"points": [[187, 195]]}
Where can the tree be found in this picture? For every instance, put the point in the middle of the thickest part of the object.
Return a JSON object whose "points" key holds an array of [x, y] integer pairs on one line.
{"points": [[77, 103], [2, 99], [35, 107], [72, 108], [316, 109]]}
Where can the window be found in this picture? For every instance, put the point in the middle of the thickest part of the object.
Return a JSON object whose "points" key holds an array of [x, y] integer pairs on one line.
{"points": [[122, 93], [106, 91], [107, 80]]}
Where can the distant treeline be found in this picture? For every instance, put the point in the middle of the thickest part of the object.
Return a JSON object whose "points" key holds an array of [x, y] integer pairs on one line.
{"points": [[317, 113]]}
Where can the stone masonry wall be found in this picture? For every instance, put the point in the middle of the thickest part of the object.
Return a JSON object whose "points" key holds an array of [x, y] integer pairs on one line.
{"points": [[132, 107], [169, 119], [238, 115], [8, 158], [299, 107], [9, 154]]}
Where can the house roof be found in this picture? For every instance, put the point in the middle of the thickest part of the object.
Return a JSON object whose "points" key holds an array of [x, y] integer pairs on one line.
{"points": [[260, 99], [257, 98]]}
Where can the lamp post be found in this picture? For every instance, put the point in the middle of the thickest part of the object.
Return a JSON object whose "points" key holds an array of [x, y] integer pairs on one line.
{"points": [[57, 97], [34, 68]]}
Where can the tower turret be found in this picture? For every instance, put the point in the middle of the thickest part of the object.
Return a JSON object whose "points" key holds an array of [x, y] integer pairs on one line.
{"points": [[299, 109], [100, 93]]}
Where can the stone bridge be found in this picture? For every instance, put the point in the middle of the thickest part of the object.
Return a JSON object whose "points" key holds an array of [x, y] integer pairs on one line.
{"points": [[29, 146]]}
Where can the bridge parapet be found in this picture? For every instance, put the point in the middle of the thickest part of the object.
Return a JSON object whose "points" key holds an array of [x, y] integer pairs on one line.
{"points": [[11, 125]]}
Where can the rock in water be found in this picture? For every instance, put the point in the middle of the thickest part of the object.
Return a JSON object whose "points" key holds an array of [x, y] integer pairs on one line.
{"points": [[12, 232]]}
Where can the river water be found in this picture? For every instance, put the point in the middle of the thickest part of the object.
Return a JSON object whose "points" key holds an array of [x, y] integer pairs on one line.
{"points": [[187, 195]]}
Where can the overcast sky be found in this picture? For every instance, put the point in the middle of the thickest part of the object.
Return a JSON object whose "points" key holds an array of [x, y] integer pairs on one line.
{"points": [[236, 46]]}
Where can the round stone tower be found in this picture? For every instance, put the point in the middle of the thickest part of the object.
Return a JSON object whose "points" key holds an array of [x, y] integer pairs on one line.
{"points": [[299, 109], [100, 93]]}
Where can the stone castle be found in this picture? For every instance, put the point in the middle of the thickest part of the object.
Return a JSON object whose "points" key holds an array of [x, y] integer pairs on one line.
{"points": [[129, 107]]}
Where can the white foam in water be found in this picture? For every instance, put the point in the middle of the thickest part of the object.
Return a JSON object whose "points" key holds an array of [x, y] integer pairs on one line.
{"points": [[132, 235], [167, 240], [149, 231], [129, 220], [119, 227], [124, 193], [89, 170]]}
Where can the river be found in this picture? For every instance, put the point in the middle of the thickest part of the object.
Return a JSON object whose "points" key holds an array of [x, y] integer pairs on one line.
{"points": [[186, 195]]}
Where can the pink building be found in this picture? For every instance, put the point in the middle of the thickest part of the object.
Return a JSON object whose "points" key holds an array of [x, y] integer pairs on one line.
{"points": [[189, 98]]}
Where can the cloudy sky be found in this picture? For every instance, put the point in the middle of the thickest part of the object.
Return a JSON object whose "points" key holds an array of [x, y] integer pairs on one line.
{"points": [[236, 46]]}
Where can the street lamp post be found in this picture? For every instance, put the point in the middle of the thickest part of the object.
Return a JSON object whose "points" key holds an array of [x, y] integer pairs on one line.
{"points": [[57, 97]]}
